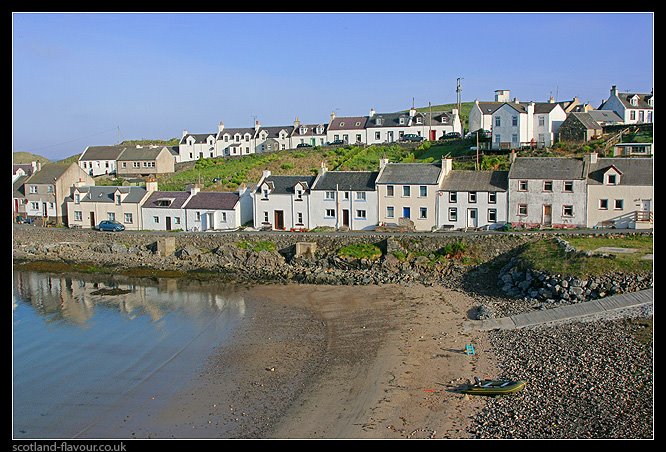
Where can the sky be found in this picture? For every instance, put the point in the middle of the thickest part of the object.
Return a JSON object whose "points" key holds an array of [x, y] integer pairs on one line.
{"points": [[87, 79]]}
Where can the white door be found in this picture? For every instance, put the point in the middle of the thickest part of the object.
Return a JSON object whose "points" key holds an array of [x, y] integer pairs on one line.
{"points": [[645, 205], [472, 220]]}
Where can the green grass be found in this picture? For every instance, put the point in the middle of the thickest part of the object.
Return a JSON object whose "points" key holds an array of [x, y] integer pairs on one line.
{"points": [[546, 255], [360, 251], [262, 245], [27, 157]]}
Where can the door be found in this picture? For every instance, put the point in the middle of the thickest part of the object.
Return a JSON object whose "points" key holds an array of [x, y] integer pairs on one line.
{"points": [[345, 217], [547, 214], [168, 223], [645, 205], [45, 211], [472, 220], [209, 221], [389, 136], [16, 205], [433, 134], [279, 219], [406, 212], [92, 220]]}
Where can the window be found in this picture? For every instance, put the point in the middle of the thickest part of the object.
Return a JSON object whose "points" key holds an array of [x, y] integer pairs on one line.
{"points": [[265, 193], [498, 122], [423, 191], [34, 205], [118, 198], [419, 120], [111, 216], [136, 164], [632, 115], [453, 196], [548, 185], [542, 121], [265, 217], [124, 165], [358, 137], [357, 124], [389, 190], [567, 211], [492, 215], [423, 213], [49, 189], [492, 197], [299, 218], [514, 138], [176, 220], [329, 195], [497, 138], [336, 137], [568, 186], [406, 191], [361, 214], [345, 196], [522, 185], [603, 204], [156, 220], [282, 146], [390, 212], [128, 218], [471, 197], [299, 195], [330, 213], [226, 138], [453, 214], [78, 215], [619, 204], [197, 216], [224, 217], [77, 198], [163, 202], [514, 121], [51, 205], [345, 137], [522, 210], [542, 138], [378, 121], [612, 179], [360, 196]]}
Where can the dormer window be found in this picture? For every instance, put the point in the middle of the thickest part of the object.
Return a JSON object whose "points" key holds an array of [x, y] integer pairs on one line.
{"points": [[357, 123], [302, 130], [342, 124], [163, 202], [650, 101], [118, 199], [378, 121], [401, 121], [634, 101], [320, 130], [612, 179], [77, 198], [443, 119], [419, 120], [237, 138], [299, 194], [264, 193]]}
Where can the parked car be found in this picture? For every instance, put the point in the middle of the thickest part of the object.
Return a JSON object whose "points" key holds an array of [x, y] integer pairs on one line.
{"points": [[482, 133], [412, 137], [110, 225], [24, 220], [336, 143], [450, 135], [303, 145]]}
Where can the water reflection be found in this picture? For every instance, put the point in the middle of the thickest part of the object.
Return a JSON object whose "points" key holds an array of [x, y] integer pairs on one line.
{"points": [[63, 298]]}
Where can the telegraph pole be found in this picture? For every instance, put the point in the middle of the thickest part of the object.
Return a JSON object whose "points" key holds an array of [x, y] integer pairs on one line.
{"points": [[458, 93]]}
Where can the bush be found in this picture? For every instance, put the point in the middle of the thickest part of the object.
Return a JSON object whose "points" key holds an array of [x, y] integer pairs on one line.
{"points": [[287, 166], [360, 251], [262, 245]]}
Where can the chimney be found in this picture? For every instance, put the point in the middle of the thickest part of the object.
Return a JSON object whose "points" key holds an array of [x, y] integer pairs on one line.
{"points": [[383, 162], [194, 188], [614, 90], [151, 184], [447, 165], [551, 100], [332, 115], [257, 125], [591, 158], [512, 156], [185, 133], [220, 127], [242, 189], [323, 169], [35, 166], [372, 112], [297, 123], [515, 100], [265, 174], [502, 95], [412, 112]]}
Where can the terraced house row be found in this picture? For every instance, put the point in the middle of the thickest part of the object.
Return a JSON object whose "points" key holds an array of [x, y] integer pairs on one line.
{"points": [[536, 191]]}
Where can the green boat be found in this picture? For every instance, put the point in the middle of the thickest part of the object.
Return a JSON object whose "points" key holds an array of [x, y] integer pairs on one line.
{"points": [[494, 387]]}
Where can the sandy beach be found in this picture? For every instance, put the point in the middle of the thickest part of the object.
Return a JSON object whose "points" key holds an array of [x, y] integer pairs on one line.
{"points": [[336, 362]]}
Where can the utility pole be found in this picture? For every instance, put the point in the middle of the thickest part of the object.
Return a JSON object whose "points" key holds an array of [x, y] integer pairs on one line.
{"points": [[458, 93], [478, 167], [430, 121]]}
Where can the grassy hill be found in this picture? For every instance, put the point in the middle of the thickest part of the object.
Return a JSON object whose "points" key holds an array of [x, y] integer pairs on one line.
{"points": [[27, 157], [465, 108]]}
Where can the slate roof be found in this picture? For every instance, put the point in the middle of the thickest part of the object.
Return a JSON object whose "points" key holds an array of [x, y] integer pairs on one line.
{"points": [[347, 180], [198, 137], [179, 198], [49, 172], [461, 180], [143, 153], [586, 119], [555, 168], [348, 123], [274, 131], [607, 116], [635, 171], [91, 193], [236, 130], [642, 100], [488, 108], [18, 188], [102, 152], [388, 120], [539, 107], [410, 173], [26, 167], [174, 150], [437, 118], [213, 200], [284, 185]]}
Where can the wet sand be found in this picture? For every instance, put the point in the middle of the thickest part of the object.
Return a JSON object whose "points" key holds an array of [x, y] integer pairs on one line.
{"points": [[335, 362]]}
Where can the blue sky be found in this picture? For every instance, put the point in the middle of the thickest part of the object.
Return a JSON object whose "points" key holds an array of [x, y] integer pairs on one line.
{"points": [[92, 79]]}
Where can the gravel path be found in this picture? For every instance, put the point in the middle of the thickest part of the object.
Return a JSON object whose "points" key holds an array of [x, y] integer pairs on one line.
{"points": [[590, 379]]}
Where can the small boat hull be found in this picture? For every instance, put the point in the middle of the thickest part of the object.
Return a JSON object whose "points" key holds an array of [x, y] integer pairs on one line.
{"points": [[495, 387]]}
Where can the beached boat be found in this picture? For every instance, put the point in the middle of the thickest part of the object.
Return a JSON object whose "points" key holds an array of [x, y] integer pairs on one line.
{"points": [[495, 387]]}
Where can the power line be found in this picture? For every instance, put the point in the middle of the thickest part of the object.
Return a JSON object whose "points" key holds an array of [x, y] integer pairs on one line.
{"points": [[72, 140]]}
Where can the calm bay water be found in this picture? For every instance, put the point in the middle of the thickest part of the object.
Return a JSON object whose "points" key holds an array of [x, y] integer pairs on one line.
{"points": [[82, 359]]}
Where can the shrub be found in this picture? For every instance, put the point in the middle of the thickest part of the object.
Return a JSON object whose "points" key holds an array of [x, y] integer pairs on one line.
{"points": [[262, 245], [287, 166], [360, 251]]}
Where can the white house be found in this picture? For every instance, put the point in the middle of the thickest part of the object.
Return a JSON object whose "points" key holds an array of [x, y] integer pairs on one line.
{"points": [[100, 160], [195, 146], [473, 199], [218, 210], [350, 129], [163, 210], [282, 202], [312, 134], [391, 127], [235, 141], [24, 169], [88, 205], [547, 191], [344, 199], [620, 192], [633, 108], [273, 138]]}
